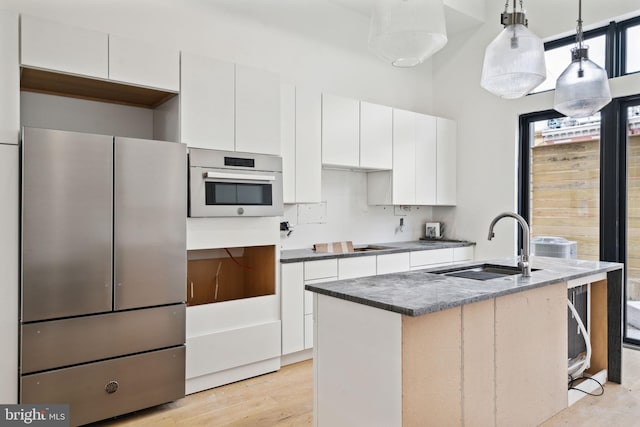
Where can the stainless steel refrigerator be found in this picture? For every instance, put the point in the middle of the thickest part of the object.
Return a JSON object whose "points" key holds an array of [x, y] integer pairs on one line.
{"points": [[103, 272]]}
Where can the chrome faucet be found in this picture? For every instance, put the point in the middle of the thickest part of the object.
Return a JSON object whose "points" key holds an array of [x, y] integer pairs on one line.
{"points": [[523, 261]]}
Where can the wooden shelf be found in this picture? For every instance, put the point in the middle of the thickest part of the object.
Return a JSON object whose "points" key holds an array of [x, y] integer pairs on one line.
{"points": [[52, 83]]}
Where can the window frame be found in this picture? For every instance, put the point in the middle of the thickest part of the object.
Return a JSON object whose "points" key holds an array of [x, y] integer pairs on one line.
{"points": [[615, 46]]}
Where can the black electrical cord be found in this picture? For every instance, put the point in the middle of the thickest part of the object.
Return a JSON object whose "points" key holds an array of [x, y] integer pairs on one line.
{"points": [[573, 380]]}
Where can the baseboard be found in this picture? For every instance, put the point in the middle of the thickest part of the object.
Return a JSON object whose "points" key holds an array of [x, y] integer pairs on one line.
{"points": [[587, 386], [299, 356], [216, 379]]}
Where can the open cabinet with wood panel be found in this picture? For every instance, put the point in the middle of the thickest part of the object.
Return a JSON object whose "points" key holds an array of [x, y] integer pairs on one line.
{"points": [[217, 275]]}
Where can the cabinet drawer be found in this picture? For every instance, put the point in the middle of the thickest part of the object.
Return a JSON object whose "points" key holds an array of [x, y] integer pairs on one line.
{"points": [[308, 331], [392, 263], [320, 269], [349, 268], [139, 381], [436, 256], [463, 254], [84, 339]]}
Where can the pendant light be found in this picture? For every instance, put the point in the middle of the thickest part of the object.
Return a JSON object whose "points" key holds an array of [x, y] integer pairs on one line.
{"points": [[514, 61], [583, 87], [406, 32]]}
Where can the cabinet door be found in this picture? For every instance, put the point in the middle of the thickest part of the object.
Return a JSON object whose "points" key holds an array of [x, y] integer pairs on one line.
{"points": [[292, 310], [433, 257], [308, 145], [207, 103], [392, 263], [340, 131], [66, 224], [257, 111], [375, 136], [350, 268], [9, 266], [446, 181], [10, 82], [288, 141], [46, 44], [426, 159], [150, 223], [140, 63], [404, 164]]}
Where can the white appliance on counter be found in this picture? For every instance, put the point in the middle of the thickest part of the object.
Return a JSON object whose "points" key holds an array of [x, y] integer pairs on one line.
{"points": [[230, 340]]}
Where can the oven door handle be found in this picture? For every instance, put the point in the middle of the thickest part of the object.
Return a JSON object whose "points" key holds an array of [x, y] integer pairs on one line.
{"points": [[238, 176]]}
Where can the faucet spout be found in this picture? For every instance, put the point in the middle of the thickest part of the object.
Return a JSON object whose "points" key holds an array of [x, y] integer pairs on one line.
{"points": [[523, 263]]}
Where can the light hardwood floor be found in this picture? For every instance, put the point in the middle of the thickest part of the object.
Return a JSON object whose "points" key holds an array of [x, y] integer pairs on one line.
{"points": [[284, 398]]}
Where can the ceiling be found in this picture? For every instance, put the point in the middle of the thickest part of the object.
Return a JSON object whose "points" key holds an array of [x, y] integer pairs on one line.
{"points": [[344, 23]]}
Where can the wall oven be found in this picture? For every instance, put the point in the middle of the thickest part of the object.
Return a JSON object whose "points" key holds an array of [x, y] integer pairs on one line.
{"points": [[231, 184]]}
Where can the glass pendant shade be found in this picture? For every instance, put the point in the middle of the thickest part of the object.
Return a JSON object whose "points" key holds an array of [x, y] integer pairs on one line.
{"points": [[406, 32], [582, 89], [514, 63]]}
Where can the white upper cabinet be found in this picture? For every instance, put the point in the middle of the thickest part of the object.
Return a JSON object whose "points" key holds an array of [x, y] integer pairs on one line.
{"points": [[426, 159], [300, 111], [144, 64], [446, 176], [224, 106], [207, 103], [308, 145], [404, 158], [288, 141], [340, 131], [10, 81], [375, 136], [424, 163], [257, 111], [64, 48]]}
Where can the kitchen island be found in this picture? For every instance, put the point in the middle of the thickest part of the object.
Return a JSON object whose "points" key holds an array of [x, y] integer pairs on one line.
{"points": [[423, 348]]}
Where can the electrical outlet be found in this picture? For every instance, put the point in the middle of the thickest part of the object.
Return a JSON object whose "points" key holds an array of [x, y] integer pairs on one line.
{"points": [[401, 210]]}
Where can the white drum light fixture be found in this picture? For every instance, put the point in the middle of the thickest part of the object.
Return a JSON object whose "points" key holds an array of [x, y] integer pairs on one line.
{"points": [[514, 61], [406, 32], [583, 87]]}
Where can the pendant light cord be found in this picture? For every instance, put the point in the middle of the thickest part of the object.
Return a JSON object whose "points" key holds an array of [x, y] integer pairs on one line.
{"points": [[579, 36], [506, 6]]}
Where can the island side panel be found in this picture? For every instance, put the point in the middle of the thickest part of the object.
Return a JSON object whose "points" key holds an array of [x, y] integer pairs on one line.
{"points": [[531, 355], [598, 329], [478, 373], [357, 363], [432, 369]]}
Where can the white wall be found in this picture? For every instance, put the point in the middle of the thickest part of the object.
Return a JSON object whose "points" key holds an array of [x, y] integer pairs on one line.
{"points": [[350, 218], [488, 125], [79, 115]]}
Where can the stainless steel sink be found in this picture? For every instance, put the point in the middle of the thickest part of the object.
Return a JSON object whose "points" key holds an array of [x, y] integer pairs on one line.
{"points": [[368, 248], [482, 271]]}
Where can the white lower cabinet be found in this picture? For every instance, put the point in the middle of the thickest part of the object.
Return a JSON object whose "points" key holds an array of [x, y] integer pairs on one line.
{"points": [[393, 263], [292, 310], [297, 304], [9, 284], [351, 268], [430, 258], [464, 253]]}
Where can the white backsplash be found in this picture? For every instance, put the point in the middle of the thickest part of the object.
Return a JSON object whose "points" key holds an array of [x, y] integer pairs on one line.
{"points": [[347, 216]]}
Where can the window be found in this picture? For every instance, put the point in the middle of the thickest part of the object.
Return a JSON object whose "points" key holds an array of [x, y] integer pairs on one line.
{"points": [[632, 49], [558, 58], [602, 51]]}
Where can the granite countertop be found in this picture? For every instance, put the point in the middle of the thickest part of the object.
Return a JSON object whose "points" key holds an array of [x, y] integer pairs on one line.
{"points": [[299, 255], [420, 292]]}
